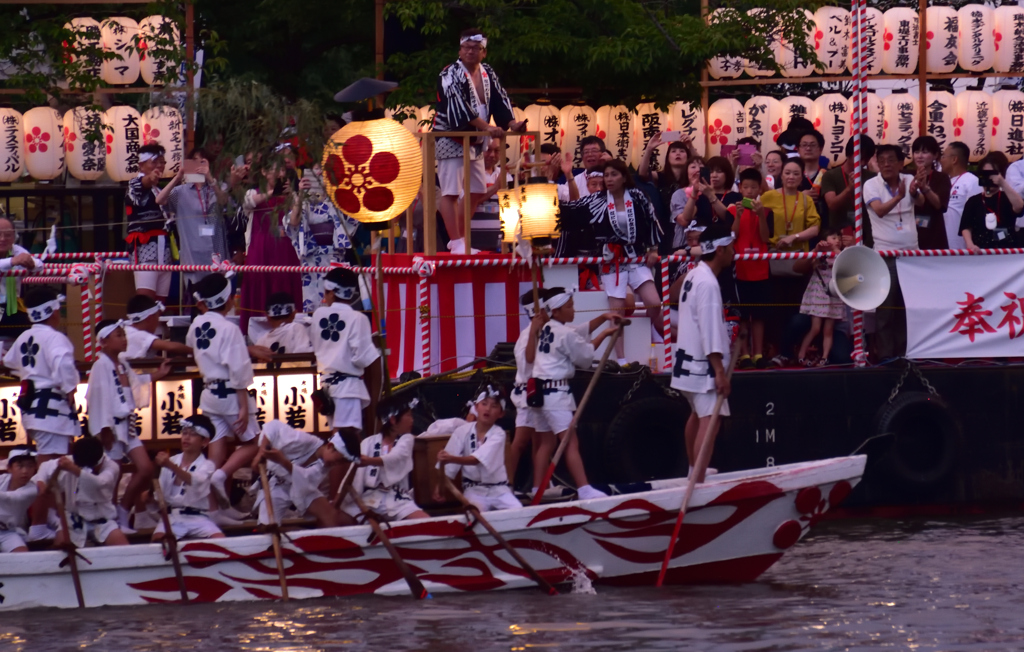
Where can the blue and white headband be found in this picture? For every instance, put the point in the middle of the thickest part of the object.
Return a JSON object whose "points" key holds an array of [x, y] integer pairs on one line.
{"points": [[216, 301], [21, 451], [280, 310], [44, 311], [200, 430], [478, 38], [709, 246], [343, 292], [136, 317], [490, 391], [109, 329], [399, 408], [559, 300], [147, 156], [694, 227]]}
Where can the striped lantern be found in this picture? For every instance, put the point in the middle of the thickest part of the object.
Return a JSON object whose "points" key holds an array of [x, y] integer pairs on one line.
{"points": [[770, 33], [86, 159], [900, 41], [974, 121], [1008, 122], [119, 35], [85, 34], [12, 145], [688, 120], [977, 40], [833, 118], [157, 32], [901, 119], [871, 54], [724, 67], [538, 209], [796, 106], [163, 125], [832, 39], [577, 122], [793, 65], [1009, 38], [874, 117], [123, 137], [647, 121], [764, 121], [940, 114], [44, 143], [615, 127], [543, 117], [727, 123], [941, 39]]}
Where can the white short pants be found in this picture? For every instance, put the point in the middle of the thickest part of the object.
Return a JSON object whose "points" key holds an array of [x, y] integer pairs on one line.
{"points": [[632, 275], [119, 449], [703, 403], [10, 539], [488, 499], [348, 413], [48, 443], [96, 532], [523, 418], [554, 421], [383, 503], [225, 426], [159, 282], [190, 526], [450, 173]]}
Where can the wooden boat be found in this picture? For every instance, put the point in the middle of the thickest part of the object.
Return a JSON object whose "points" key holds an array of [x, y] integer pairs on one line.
{"points": [[737, 526]]}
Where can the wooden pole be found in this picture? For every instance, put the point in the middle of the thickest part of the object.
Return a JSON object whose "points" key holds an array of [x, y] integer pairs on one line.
{"points": [[275, 535], [410, 225], [70, 548], [429, 196], [415, 586], [346, 482], [467, 201], [379, 305], [190, 58], [704, 83], [172, 540], [922, 67]]}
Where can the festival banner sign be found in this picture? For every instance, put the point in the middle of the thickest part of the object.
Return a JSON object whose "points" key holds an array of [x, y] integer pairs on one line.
{"points": [[963, 307]]}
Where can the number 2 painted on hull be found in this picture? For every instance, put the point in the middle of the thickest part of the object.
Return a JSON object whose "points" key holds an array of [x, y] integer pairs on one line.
{"points": [[769, 409]]}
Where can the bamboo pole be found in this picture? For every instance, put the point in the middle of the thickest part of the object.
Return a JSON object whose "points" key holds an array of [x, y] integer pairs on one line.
{"points": [[467, 201], [429, 196], [275, 535]]}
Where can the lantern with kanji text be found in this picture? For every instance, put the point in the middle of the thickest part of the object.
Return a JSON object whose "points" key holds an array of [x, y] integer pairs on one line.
{"points": [[723, 67], [832, 39], [974, 122], [874, 117], [940, 116], [123, 137], [508, 211], [577, 122], [770, 32], [833, 118], [647, 121], [764, 121], [872, 28], [1008, 122], [792, 64], [688, 120], [12, 145], [158, 36], [538, 209], [543, 117], [163, 125], [900, 41], [727, 123], [977, 38], [1009, 38], [615, 127], [796, 106], [942, 38], [84, 148], [119, 35], [83, 46], [44, 143], [901, 119]]}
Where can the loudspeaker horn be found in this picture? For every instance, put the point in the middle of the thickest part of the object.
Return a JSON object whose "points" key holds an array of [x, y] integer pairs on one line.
{"points": [[860, 278]]}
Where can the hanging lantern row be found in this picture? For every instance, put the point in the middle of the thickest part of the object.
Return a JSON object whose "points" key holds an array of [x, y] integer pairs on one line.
{"points": [[41, 143], [131, 41], [976, 37]]}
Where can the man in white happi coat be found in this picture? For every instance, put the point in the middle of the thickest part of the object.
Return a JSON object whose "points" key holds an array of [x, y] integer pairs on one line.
{"points": [[285, 334], [144, 320], [702, 346], [185, 482], [17, 493]]}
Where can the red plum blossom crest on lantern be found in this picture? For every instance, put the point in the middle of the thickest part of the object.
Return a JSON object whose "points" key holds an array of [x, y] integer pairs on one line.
{"points": [[361, 176]]}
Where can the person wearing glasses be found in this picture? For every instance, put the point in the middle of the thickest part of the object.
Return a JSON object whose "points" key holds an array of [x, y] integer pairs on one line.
{"points": [[12, 255]]}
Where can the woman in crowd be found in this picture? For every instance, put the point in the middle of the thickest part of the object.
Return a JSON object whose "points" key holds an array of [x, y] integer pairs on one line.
{"points": [[712, 202], [773, 169], [990, 219], [673, 174], [935, 185], [796, 218]]}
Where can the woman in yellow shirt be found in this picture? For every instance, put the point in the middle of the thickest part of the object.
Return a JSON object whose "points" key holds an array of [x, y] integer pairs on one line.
{"points": [[796, 219]]}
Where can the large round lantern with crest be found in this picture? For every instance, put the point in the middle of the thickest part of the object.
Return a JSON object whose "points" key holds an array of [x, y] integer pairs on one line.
{"points": [[372, 170], [44, 143], [12, 147]]}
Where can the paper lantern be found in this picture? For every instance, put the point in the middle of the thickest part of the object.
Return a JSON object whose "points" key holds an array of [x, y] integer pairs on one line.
{"points": [[426, 115], [973, 125], [123, 138], [44, 143], [796, 106], [85, 35], [1008, 122], [873, 26], [833, 118], [1009, 38], [900, 41], [688, 119], [727, 123], [901, 119], [977, 37], [874, 118], [372, 169], [940, 114], [770, 32], [12, 145], [615, 127], [724, 67], [120, 35], [163, 125], [411, 121], [792, 64], [508, 211], [941, 39], [538, 209], [764, 121], [543, 117], [578, 122], [647, 121], [832, 39], [157, 33], [86, 159]]}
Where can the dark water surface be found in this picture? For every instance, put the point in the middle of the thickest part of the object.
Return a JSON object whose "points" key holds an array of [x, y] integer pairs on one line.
{"points": [[905, 585]]}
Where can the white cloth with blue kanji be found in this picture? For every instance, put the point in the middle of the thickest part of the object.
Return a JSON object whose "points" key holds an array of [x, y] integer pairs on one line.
{"points": [[221, 355], [561, 348], [47, 358], [343, 344]]}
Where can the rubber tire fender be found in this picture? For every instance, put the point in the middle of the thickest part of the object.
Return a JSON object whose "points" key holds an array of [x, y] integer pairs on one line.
{"points": [[646, 440], [926, 438]]}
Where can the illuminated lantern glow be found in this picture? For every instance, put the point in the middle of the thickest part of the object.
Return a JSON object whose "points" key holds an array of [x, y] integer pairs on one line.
{"points": [[771, 35], [793, 65], [940, 114], [764, 121], [12, 145], [412, 120], [86, 159], [901, 119], [85, 35], [724, 67], [119, 35], [1009, 39], [372, 170], [941, 40], [974, 122], [796, 106], [874, 117], [577, 122], [871, 53], [508, 210], [615, 127], [727, 123], [977, 38], [543, 117], [688, 120], [538, 209], [163, 125], [1008, 123], [832, 39], [44, 143], [157, 33], [900, 41], [122, 137], [426, 114], [834, 118], [647, 121]]}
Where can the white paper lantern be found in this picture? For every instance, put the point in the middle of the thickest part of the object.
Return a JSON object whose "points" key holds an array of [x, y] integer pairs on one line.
{"points": [[516, 145], [1008, 122], [157, 32], [44, 143], [86, 159], [615, 127], [123, 139], [977, 38], [974, 113], [426, 115], [793, 65], [796, 106], [543, 117], [765, 116], [834, 118], [1009, 38], [901, 118], [163, 125], [727, 123], [412, 119], [771, 34], [873, 28], [688, 120], [941, 39], [647, 121], [578, 122], [940, 114], [119, 36], [12, 145], [85, 33], [874, 118], [900, 41], [832, 39], [724, 67]]}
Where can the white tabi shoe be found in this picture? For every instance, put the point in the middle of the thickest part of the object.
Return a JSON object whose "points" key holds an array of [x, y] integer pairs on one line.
{"points": [[586, 492]]}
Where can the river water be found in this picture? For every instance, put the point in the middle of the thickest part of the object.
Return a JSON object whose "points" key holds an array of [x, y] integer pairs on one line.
{"points": [[852, 585]]}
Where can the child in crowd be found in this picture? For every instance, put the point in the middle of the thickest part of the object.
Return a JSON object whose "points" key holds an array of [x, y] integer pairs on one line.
{"points": [[88, 479], [298, 464], [284, 336], [752, 227], [825, 310], [479, 450], [43, 359], [144, 317], [17, 493], [113, 395], [185, 483], [382, 478]]}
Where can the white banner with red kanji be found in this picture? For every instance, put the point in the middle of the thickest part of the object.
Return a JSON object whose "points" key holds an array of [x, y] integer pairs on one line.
{"points": [[963, 307]]}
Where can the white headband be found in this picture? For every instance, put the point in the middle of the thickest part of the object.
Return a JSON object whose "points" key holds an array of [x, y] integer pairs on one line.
{"points": [[280, 310], [490, 392], [136, 317], [109, 329], [595, 175], [693, 226], [399, 408], [21, 451], [559, 300], [147, 156], [345, 293], [200, 430], [709, 246], [43, 312], [217, 300], [479, 38]]}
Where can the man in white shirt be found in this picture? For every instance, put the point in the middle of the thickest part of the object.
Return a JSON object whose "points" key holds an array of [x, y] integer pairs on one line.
{"points": [[592, 150], [954, 159], [1015, 175], [889, 203]]}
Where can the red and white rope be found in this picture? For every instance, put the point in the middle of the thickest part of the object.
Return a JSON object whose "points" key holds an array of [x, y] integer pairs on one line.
{"points": [[666, 316], [88, 255], [424, 306], [87, 345]]}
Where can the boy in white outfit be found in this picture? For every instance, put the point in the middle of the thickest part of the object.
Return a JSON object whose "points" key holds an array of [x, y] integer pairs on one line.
{"points": [[144, 318], [185, 483], [284, 336], [17, 493]]}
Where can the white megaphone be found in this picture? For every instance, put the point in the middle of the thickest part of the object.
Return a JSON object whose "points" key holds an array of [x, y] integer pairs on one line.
{"points": [[860, 278]]}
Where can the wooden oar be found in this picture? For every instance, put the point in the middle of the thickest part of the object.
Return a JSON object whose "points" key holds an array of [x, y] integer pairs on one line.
{"points": [[172, 541], [70, 547], [346, 482], [576, 417], [699, 468], [541, 582], [415, 585], [275, 535]]}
